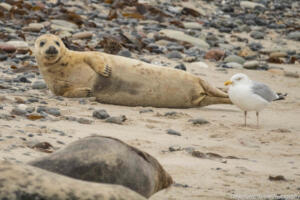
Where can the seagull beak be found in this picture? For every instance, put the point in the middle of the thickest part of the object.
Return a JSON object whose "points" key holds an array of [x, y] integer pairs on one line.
{"points": [[228, 83]]}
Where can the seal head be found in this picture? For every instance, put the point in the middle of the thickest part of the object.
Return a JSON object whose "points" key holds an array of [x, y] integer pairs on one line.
{"points": [[49, 49]]}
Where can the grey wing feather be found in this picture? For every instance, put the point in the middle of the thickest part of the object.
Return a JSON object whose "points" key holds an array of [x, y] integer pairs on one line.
{"points": [[264, 91]]}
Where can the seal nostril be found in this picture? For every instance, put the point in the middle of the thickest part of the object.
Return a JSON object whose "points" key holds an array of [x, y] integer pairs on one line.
{"points": [[51, 50]]}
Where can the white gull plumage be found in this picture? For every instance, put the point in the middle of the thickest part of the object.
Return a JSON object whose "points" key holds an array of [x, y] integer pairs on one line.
{"points": [[249, 95]]}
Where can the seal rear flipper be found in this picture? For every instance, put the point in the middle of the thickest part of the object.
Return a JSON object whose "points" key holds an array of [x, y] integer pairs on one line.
{"points": [[78, 92], [212, 91], [97, 64]]}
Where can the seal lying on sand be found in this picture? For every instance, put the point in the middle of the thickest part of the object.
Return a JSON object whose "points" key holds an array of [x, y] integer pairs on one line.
{"points": [[24, 182], [119, 80], [108, 160]]}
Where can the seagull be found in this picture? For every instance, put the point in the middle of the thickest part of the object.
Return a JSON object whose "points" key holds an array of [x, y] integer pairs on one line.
{"points": [[250, 95]]}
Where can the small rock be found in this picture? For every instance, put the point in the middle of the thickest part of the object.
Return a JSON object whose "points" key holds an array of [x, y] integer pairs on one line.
{"points": [[82, 120], [278, 55], [7, 48], [58, 24], [257, 35], [233, 65], [291, 74], [53, 111], [254, 64], [175, 148], [116, 120], [190, 59], [250, 5], [146, 110], [6, 6], [172, 113], [18, 44], [199, 65], [294, 36], [181, 67], [174, 54], [173, 132], [83, 35], [125, 53], [18, 111], [277, 178], [234, 58], [34, 27], [100, 114], [199, 121], [192, 25], [38, 85], [255, 46], [214, 54], [198, 154]]}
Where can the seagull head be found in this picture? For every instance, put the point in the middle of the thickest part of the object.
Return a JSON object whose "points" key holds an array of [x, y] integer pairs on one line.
{"points": [[238, 79]]}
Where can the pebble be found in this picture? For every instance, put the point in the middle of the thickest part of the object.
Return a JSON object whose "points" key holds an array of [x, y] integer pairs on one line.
{"points": [[6, 6], [294, 36], [199, 65], [291, 74], [192, 25], [146, 110], [233, 65], [100, 114], [83, 35], [18, 44], [34, 27], [7, 48], [58, 24], [181, 36], [175, 148], [234, 58], [82, 120], [38, 85], [125, 53], [250, 5], [278, 55], [215, 54], [18, 111], [174, 54], [173, 132], [257, 35], [199, 121], [190, 59], [53, 111], [254, 64], [116, 120], [181, 67]]}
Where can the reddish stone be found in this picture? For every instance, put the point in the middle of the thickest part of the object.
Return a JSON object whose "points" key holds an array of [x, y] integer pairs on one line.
{"points": [[7, 48], [214, 54]]}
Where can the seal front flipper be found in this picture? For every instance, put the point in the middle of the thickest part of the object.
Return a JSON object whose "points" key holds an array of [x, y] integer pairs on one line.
{"points": [[97, 64], [78, 92]]}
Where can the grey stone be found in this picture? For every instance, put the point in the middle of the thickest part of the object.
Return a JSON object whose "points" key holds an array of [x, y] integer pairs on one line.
{"points": [[125, 53], [254, 64], [174, 54], [173, 132], [58, 24], [108, 160], [181, 36], [199, 121], [100, 114], [234, 58], [38, 85], [20, 182], [257, 35], [294, 36], [18, 111], [233, 65], [116, 120], [82, 120], [250, 5], [53, 111]]}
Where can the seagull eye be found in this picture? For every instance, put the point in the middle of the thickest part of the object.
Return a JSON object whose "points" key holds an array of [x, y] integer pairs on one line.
{"points": [[42, 44], [57, 43], [238, 79]]}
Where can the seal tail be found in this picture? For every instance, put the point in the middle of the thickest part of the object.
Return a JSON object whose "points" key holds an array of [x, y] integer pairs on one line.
{"points": [[209, 100]]}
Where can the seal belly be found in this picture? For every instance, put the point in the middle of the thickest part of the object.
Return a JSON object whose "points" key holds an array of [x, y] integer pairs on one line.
{"points": [[135, 83]]}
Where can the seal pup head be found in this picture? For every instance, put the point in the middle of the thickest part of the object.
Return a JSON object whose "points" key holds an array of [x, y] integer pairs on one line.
{"points": [[49, 49]]}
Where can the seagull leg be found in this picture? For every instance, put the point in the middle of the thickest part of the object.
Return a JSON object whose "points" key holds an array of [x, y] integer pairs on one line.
{"points": [[257, 120], [245, 114]]}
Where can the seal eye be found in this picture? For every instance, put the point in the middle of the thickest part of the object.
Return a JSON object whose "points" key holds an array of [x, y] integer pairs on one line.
{"points": [[42, 44], [57, 43]]}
